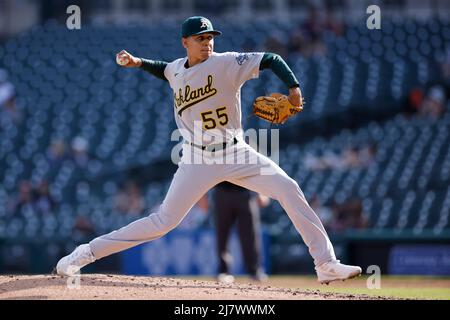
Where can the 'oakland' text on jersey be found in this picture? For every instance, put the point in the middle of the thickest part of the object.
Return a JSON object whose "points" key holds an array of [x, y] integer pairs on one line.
{"points": [[208, 94]]}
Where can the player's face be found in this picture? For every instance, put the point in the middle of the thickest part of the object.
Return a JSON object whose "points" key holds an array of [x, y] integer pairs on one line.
{"points": [[199, 46]]}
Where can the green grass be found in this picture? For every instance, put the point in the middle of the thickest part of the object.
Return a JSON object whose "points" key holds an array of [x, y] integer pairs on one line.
{"points": [[404, 287], [400, 287], [402, 293]]}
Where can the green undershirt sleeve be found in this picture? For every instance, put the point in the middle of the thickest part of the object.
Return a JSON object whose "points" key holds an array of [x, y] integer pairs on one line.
{"points": [[280, 68], [156, 68]]}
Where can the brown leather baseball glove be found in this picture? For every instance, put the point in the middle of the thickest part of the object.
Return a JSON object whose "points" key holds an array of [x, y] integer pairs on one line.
{"points": [[275, 108]]}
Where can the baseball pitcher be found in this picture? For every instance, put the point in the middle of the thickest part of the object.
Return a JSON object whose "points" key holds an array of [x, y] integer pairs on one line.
{"points": [[206, 90]]}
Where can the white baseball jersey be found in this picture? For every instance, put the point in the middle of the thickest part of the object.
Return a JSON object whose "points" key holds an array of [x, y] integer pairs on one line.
{"points": [[207, 95]]}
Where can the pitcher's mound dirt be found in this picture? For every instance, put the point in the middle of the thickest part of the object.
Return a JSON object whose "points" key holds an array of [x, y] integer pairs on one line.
{"points": [[100, 286]]}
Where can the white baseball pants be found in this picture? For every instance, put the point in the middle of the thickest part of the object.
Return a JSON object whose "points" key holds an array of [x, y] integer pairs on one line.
{"points": [[192, 181]]}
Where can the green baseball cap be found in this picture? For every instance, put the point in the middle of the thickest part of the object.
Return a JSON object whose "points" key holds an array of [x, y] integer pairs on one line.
{"points": [[197, 25]]}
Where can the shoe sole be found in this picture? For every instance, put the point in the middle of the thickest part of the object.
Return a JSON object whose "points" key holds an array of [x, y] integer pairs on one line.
{"points": [[55, 273], [351, 276]]}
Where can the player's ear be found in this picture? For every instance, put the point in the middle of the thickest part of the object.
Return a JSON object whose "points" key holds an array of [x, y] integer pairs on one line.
{"points": [[184, 41]]}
